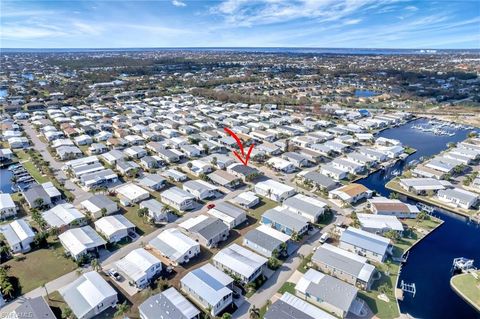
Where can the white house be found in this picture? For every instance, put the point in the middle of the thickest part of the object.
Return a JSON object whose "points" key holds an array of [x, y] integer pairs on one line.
{"points": [[80, 241], [114, 227], [130, 194], [231, 215], [200, 189], [95, 204], [458, 197], [18, 234], [305, 206], [7, 206], [176, 246], [89, 295], [63, 216], [178, 198], [351, 193], [139, 267], [169, 304], [365, 244], [274, 190]]}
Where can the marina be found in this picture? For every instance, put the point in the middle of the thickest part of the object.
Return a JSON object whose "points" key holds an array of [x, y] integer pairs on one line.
{"points": [[429, 261]]}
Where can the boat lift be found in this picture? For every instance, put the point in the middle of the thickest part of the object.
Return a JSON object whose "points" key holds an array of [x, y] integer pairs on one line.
{"points": [[463, 264], [410, 288]]}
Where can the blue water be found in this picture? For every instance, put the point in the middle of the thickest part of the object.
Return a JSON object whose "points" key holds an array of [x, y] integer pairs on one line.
{"points": [[430, 261], [5, 182], [365, 93], [3, 92]]}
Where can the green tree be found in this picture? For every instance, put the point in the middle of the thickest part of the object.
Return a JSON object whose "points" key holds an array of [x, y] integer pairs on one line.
{"points": [[254, 312], [226, 315], [122, 309]]}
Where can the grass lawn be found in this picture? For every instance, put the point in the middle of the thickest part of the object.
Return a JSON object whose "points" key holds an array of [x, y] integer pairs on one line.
{"points": [[40, 266], [287, 287], [35, 172], [303, 264], [264, 205], [469, 287], [132, 215]]}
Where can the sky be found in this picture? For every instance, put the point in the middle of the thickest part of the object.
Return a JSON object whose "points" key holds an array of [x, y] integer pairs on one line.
{"points": [[240, 23]]}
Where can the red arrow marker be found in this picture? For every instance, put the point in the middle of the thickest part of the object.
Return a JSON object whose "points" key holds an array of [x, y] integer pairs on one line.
{"points": [[244, 159]]}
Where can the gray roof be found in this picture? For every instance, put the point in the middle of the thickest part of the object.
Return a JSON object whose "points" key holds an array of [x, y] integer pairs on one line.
{"points": [[286, 218], [262, 239], [151, 180], [16, 232], [169, 304], [282, 310], [320, 179], [365, 240], [209, 228], [36, 308], [229, 209], [101, 201], [34, 192]]}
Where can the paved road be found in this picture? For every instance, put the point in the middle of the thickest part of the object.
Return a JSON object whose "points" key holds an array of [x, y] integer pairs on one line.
{"points": [[41, 147]]}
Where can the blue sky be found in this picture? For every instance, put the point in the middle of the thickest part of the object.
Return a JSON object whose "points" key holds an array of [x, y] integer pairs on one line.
{"points": [[240, 23]]}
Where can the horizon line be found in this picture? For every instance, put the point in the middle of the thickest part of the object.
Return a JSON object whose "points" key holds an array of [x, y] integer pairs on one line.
{"points": [[232, 47]]}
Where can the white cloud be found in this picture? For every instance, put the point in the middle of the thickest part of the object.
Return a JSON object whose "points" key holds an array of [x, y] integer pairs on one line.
{"points": [[178, 3], [411, 8], [352, 21]]}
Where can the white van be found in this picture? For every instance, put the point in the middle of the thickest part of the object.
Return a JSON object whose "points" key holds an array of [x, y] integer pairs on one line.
{"points": [[324, 238]]}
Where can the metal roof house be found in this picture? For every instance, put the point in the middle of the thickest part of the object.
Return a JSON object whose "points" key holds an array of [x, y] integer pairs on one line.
{"points": [[318, 180], [7, 206], [327, 292], [208, 231], [285, 221], [231, 215], [63, 216], [209, 288], [130, 194], [89, 295], [246, 199], [96, 203], [379, 224], [114, 227], [365, 244], [292, 307], [18, 234], [458, 197], [175, 246], [266, 240], [344, 265], [169, 304], [80, 241], [157, 212], [274, 190], [305, 206], [200, 189], [178, 198], [240, 261], [36, 308], [139, 267], [392, 207]]}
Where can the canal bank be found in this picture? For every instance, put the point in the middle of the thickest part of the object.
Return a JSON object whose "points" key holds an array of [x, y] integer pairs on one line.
{"points": [[430, 259]]}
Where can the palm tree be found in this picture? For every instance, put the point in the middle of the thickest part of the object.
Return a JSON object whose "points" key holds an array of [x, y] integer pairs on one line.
{"points": [[254, 312], [95, 264], [122, 308], [7, 288], [103, 212], [38, 202]]}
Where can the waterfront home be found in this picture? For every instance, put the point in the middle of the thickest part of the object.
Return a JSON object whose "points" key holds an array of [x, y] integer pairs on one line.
{"points": [[392, 207], [18, 142], [89, 295], [281, 165], [365, 244], [18, 235], [274, 190], [152, 181], [7, 206], [63, 216], [208, 231], [114, 227], [441, 164], [99, 204], [246, 199], [351, 193], [333, 172], [289, 306], [372, 153], [169, 304], [175, 246], [139, 267], [423, 186], [224, 179], [130, 194], [209, 287], [348, 165], [379, 224], [81, 241], [200, 189], [344, 265], [317, 180], [231, 215], [458, 197], [37, 308], [178, 198], [156, 211], [285, 221], [267, 241], [423, 171], [240, 262], [305, 206], [326, 292]]}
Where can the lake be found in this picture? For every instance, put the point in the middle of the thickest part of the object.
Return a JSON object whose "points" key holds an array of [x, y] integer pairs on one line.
{"points": [[430, 261], [5, 182], [365, 93]]}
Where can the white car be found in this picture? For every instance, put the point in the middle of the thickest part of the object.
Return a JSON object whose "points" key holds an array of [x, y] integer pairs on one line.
{"points": [[324, 238]]}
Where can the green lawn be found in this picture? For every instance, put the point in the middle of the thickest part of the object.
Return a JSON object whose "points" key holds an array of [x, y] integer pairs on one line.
{"points": [[287, 287], [469, 287], [132, 215], [40, 266], [303, 264], [34, 172], [264, 205]]}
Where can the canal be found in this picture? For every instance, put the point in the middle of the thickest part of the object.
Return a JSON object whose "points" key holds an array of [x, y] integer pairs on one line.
{"points": [[430, 261]]}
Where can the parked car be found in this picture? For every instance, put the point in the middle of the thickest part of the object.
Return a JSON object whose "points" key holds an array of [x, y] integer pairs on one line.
{"points": [[114, 274], [210, 206], [324, 238]]}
